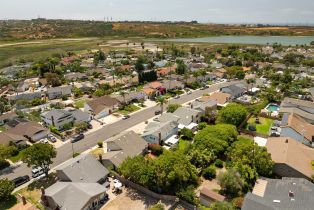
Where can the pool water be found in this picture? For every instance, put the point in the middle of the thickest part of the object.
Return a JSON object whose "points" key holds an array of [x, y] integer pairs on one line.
{"points": [[272, 108]]}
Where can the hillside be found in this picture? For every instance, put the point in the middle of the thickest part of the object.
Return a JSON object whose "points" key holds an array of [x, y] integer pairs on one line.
{"points": [[45, 29]]}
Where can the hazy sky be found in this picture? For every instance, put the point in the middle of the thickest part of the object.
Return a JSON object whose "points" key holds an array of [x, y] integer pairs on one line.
{"points": [[218, 11]]}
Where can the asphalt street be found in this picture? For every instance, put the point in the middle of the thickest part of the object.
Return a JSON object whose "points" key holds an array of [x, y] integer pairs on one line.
{"points": [[65, 151]]}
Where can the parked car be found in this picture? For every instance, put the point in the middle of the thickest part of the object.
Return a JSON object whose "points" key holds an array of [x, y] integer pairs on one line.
{"points": [[36, 172], [125, 117], [52, 138], [89, 126], [20, 180], [77, 138], [177, 97], [157, 112], [44, 141], [190, 92]]}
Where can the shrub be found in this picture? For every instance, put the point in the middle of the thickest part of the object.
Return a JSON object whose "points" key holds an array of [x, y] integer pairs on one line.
{"points": [[76, 154], [237, 202], [202, 125], [4, 164], [187, 134], [100, 144], [219, 163], [187, 194], [6, 188], [157, 206], [209, 172], [156, 149]]}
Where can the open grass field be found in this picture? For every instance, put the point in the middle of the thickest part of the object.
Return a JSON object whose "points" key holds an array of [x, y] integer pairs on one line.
{"points": [[263, 127], [12, 52]]}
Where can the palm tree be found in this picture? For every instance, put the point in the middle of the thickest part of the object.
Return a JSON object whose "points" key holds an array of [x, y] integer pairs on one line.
{"points": [[161, 101], [123, 94]]}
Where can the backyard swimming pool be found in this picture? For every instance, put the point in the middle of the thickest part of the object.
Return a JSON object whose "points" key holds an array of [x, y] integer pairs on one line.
{"points": [[272, 107]]}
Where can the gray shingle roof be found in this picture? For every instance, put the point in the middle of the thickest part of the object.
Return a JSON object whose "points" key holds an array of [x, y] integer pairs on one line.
{"points": [[56, 113], [126, 144], [186, 114], [278, 190], [83, 168], [154, 128], [73, 196]]}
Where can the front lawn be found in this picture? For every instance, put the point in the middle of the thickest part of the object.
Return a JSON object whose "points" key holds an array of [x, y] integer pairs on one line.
{"points": [[263, 127], [16, 158], [2, 129], [80, 103], [129, 109], [32, 192]]}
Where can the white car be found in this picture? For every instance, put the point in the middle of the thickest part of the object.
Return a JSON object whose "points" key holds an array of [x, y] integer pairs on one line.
{"points": [[44, 141], [177, 97]]}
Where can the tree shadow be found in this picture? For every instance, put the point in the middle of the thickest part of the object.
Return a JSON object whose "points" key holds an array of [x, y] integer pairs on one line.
{"points": [[9, 203]]}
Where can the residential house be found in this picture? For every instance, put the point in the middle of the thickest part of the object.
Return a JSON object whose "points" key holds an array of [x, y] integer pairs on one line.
{"points": [[31, 131], [235, 91], [27, 84], [189, 118], [59, 92], [102, 106], [82, 185], [131, 97], [73, 76], [207, 197], [8, 138], [6, 117], [60, 117], [124, 145], [158, 132], [172, 84], [222, 99], [292, 158], [74, 196], [85, 87], [280, 194], [204, 107], [25, 96], [57, 118], [84, 168], [305, 109], [160, 64], [297, 128]]}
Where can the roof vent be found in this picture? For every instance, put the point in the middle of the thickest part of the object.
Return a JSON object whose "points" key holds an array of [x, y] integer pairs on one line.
{"points": [[291, 194], [276, 201]]}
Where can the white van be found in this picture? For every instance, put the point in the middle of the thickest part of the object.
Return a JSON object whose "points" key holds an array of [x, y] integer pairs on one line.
{"points": [[36, 172]]}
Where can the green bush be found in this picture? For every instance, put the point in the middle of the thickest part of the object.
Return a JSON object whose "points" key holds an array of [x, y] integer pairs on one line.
{"points": [[76, 154], [100, 144], [156, 149], [6, 188], [209, 172], [219, 163], [187, 194], [4, 164], [202, 125], [187, 134], [157, 206]]}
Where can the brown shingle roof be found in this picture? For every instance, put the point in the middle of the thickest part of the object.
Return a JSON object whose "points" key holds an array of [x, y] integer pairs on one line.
{"points": [[220, 97], [301, 126], [99, 104], [205, 192], [291, 152]]}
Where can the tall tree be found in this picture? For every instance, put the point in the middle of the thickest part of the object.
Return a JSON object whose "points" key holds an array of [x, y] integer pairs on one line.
{"points": [[39, 155], [6, 188], [161, 101]]}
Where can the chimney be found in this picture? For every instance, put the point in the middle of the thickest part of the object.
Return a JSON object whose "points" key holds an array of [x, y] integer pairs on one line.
{"points": [[291, 194], [159, 138], [192, 118], [24, 200], [287, 141], [191, 106]]}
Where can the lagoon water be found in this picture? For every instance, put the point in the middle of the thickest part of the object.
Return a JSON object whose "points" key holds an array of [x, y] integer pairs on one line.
{"points": [[258, 40]]}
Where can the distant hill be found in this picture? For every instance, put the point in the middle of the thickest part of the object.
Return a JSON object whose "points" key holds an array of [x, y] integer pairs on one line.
{"points": [[45, 29]]}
